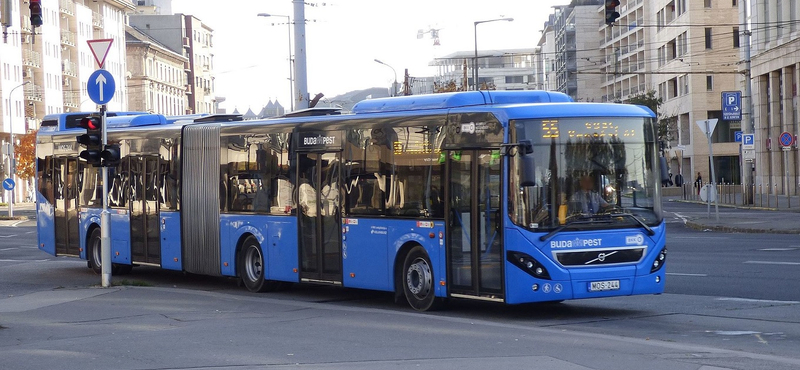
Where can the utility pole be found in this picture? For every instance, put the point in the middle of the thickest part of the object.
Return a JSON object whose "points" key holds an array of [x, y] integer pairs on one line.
{"points": [[748, 122], [301, 77]]}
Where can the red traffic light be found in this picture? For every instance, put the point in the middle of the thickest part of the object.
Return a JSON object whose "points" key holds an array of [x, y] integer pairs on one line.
{"points": [[36, 12], [611, 4], [91, 123]]}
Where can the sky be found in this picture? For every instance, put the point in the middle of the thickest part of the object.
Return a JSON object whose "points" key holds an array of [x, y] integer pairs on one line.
{"points": [[344, 37]]}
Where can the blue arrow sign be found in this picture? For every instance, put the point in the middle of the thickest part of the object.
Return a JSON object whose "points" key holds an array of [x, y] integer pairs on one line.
{"points": [[731, 105], [101, 86], [8, 184]]}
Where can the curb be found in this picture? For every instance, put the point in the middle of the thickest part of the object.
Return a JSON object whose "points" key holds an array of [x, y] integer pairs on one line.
{"points": [[735, 229], [750, 208]]}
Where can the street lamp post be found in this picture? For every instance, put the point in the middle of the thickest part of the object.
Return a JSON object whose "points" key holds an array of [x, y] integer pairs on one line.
{"points": [[475, 36], [11, 162], [394, 85], [289, 39]]}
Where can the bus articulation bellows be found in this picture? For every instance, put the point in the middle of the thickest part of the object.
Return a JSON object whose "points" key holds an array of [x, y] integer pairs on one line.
{"points": [[505, 196]]}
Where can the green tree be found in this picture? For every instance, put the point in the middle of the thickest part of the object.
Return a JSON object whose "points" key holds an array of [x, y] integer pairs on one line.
{"points": [[666, 126]]}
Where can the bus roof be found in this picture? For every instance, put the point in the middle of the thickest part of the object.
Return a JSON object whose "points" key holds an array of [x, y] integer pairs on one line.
{"points": [[577, 110], [457, 100]]}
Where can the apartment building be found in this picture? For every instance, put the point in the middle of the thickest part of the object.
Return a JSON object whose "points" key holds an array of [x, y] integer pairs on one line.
{"points": [[695, 60], [775, 76], [626, 51], [45, 70], [157, 81], [576, 50], [507, 69], [188, 36]]}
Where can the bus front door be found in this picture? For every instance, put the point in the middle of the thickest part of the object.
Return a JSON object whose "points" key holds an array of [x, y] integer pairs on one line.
{"points": [[318, 180], [475, 240], [144, 210], [65, 194]]}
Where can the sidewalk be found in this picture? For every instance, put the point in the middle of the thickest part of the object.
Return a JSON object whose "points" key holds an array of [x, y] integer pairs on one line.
{"points": [[738, 218], [23, 212]]}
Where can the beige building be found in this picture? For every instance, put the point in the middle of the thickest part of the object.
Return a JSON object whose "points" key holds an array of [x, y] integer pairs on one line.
{"points": [[694, 60], [157, 82], [626, 49], [775, 76]]}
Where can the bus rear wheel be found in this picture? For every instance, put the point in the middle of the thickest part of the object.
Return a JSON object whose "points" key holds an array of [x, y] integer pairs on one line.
{"points": [[251, 267], [93, 252], [417, 281]]}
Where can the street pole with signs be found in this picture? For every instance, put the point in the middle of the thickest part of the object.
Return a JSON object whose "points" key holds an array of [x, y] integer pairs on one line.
{"points": [[101, 87], [708, 126]]}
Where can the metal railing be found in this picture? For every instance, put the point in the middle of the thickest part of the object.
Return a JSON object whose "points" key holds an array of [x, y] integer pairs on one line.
{"points": [[31, 58], [763, 195]]}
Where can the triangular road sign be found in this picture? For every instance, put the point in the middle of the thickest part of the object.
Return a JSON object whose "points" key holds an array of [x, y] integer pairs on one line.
{"points": [[100, 48]]}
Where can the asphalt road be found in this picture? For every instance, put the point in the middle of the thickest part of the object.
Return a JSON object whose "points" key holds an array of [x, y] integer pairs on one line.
{"points": [[732, 302]]}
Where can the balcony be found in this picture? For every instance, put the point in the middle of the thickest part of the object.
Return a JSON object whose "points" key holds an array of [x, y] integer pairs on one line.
{"points": [[186, 42], [33, 92], [26, 24], [72, 99], [188, 89], [31, 58], [186, 66], [67, 7], [97, 20], [67, 38], [69, 68]]}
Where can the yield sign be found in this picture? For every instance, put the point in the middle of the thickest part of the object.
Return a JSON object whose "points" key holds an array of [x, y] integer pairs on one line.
{"points": [[100, 48]]}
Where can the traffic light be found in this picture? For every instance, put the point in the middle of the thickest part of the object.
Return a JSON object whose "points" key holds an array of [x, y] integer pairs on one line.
{"points": [[92, 139], [36, 12], [110, 155], [611, 11]]}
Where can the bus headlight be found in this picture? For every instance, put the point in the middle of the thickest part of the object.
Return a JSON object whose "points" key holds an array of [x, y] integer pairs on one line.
{"points": [[659, 261], [528, 264]]}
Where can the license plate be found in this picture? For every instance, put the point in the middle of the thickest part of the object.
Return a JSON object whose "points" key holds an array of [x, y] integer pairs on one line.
{"points": [[599, 286]]}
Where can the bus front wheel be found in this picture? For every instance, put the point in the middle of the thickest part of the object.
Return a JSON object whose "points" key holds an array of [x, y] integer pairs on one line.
{"points": [[417, 280], [251, 267]]}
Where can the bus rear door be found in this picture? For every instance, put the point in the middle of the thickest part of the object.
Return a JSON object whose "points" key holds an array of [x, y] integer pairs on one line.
{"points": [[65, 194]]}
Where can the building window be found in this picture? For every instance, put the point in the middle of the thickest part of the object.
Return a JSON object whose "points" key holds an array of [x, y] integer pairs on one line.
{"points": [[708, 38], [736, 37], [707, 3], [710, 83], [735, 3]]}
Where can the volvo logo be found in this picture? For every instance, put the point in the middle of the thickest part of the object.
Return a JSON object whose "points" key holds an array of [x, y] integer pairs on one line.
{"points": [[600, 257]]}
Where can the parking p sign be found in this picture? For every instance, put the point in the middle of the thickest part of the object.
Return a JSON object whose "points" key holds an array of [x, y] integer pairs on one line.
{"points": [[731, 105]]}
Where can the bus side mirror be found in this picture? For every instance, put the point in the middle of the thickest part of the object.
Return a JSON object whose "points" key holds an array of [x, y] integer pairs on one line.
{"points": [[528, 165]]}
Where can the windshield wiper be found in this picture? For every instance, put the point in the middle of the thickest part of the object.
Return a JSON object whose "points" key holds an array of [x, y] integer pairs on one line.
{"points": [[641, 223], [580, 220], [593, 219]]}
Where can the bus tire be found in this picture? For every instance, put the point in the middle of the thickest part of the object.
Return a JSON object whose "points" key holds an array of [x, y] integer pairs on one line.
{"points": [[251, 267], [417, 280], [93, 251]]}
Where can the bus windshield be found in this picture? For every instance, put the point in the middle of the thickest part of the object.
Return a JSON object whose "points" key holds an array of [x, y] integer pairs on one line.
{"points": [[590, 173]]}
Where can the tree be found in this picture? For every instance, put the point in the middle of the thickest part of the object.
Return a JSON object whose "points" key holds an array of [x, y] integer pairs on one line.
{"points": [[25, 153], [667, 126]]}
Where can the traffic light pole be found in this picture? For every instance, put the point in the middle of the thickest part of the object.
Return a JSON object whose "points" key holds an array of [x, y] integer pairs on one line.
{"points": [[105, 217]]}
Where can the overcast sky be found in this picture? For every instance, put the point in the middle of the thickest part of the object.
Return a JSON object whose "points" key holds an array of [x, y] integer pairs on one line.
{"points": [[344, 37]]}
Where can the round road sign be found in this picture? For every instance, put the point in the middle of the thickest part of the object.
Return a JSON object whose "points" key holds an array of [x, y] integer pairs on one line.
{"points": [[786, 139]]}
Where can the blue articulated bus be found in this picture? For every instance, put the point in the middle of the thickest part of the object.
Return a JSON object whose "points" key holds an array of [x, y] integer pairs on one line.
{"points": [[504, 196]]}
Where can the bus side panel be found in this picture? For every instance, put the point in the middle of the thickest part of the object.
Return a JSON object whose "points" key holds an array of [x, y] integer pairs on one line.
{"points": [[283, 252], [520, 284], [277, 236], [365, 249], [120, 236], [405, 231], [45, 225], [171, 241]]}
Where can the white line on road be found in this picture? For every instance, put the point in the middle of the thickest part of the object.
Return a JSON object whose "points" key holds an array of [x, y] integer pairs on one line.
{"points": [[8, 249], [8, 236], [755, 300], [779, 249], [773, 263], [682, 274]]}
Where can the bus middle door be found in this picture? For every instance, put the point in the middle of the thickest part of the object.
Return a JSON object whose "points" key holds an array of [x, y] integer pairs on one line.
{"points": [[144, 210], [319, 216]]}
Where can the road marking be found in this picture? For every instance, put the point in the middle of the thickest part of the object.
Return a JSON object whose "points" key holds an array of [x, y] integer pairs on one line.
{"points": [[773, 263], [8, 249], [5, 260], [748, 300], [682, 274], [8, 236], [682, 217], [779, 249]]}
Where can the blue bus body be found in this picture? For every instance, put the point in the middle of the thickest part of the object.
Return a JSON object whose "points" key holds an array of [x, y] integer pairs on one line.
{"points": [[449, 211]]}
